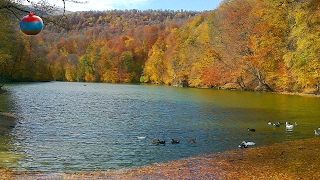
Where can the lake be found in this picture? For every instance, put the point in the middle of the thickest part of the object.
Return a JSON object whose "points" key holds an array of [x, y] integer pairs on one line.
{"points": [[63, 126]]}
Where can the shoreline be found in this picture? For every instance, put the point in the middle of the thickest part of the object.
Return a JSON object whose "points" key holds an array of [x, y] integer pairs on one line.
{"points": [[296, 159]]}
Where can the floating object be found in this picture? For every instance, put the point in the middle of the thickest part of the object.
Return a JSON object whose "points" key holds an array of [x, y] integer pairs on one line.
{"points": [[252, 130], [269, 123], [141, 137], [175, 141], [316, 133], [31, 24]]}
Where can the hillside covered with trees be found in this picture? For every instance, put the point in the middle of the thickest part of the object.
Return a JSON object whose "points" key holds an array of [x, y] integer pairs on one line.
{"points": [[244, 44]]}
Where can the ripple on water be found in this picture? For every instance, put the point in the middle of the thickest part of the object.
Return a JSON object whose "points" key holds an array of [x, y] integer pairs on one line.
{"points": [[71, 127]]}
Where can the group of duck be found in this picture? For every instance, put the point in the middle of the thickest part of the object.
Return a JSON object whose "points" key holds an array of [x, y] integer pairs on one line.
{"points": [[245, 144], [159, 142], [289, 127], [163, 142], [172, 141]]}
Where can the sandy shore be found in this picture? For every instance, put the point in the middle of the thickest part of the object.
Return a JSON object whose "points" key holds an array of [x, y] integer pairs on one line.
{"points": [[288, 160]]}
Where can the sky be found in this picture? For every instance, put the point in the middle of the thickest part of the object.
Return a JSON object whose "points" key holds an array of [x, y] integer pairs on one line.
{"points": [[101, 5]]}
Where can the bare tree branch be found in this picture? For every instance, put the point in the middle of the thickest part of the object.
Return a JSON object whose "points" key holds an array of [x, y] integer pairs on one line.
{"points": [[41, 8]]}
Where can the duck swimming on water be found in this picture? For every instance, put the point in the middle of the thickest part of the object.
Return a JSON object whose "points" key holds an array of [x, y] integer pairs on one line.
{"points": [[289, 126], [141, 137], [245, 144], [161, 142], [174, 141], [155, 142], [252, 130], [276, 125]]}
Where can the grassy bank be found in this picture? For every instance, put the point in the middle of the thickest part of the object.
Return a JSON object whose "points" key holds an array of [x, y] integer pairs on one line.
{"points": [[288, 160]]}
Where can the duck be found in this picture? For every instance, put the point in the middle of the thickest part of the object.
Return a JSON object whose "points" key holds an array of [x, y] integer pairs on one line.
{"points": [[252, 130], [155, 142], [269, 123], [192, 140], [245, 144], [289, 126], [161, 142], [276, 125], [316, 133], [141, 137], [174, 141]]}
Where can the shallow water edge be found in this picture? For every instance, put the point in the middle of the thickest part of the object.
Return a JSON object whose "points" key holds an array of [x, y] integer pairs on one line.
{"points": [[286, 160]]}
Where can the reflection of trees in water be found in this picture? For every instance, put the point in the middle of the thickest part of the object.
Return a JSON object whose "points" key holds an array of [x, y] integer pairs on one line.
{"points": [[9, 156], [2, 90], [7, 123]]}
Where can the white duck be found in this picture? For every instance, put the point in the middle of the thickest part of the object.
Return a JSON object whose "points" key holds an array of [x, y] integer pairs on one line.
{"points": [[141, 137], [245, 144], [250, 143], [316, 133], [289, 126]]}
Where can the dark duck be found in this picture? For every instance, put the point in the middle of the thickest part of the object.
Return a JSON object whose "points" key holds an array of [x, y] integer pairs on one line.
{"points": [[173, 141]]}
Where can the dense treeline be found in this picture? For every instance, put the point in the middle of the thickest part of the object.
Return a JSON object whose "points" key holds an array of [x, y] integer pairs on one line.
{"points": [[244, 44], [110, 46]]}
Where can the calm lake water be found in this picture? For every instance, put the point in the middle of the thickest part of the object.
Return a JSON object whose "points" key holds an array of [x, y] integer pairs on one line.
{"points": [[63, 126]]}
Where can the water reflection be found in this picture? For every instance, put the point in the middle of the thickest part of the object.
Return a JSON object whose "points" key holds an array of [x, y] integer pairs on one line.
{"points": [[72, 127], [8, 157]]}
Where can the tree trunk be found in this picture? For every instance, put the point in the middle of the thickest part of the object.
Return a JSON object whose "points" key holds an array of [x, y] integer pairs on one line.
{"points": [[261, 80], [241, 83]]}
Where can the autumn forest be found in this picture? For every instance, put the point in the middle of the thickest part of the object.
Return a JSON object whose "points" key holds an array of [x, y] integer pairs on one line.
{"points": [[258, 45]]}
